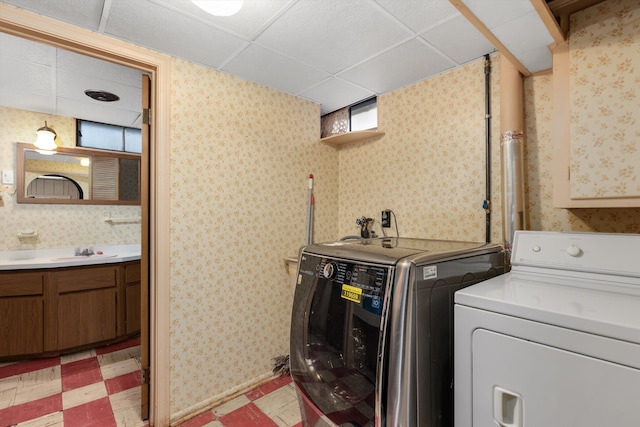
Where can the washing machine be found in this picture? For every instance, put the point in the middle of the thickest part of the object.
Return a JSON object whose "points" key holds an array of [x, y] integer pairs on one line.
{"points": [[556, 341], [372, 328]]}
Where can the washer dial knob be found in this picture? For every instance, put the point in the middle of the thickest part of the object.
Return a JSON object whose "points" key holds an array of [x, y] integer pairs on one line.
{"points": [[329, 270]]}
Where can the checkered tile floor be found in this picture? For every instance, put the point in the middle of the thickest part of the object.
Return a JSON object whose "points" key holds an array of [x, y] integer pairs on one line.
{"points": [[101, 387]]}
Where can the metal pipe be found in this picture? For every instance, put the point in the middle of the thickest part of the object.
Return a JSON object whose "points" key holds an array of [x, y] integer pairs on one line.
{"points": [[513, 215], [487, 115]]}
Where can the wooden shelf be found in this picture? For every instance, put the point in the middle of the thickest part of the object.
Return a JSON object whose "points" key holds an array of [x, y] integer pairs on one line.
{"points": [[351, 137]]}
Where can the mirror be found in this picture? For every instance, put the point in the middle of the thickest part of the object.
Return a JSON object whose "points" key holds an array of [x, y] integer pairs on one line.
{"points": [[77, 176]]}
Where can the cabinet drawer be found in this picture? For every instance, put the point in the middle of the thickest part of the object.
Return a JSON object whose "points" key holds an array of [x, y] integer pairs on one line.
{"points": [[132, 273], [21, 284], [81, 279]]}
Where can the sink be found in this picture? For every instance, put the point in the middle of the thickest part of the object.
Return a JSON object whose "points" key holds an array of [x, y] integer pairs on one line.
{"points": [[85, 257]]}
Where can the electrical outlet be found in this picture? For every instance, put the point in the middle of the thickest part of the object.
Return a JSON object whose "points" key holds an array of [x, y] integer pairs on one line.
{"points": [[386, 218]]}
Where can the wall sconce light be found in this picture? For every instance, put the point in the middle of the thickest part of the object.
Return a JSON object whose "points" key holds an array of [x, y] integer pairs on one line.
{"points": [[219, 7], [45, 139]]}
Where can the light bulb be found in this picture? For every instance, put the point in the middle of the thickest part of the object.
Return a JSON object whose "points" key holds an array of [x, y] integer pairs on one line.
{"points": [[219, 7]]}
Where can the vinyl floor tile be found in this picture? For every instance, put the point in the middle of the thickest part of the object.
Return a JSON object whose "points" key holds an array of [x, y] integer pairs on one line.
{"points": [[101, 388]]}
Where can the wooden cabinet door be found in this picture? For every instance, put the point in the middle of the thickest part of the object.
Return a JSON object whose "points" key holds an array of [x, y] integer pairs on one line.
{"points": [[21, 313], [87, 305], [86, 317], [21, 326], [132, 298]]}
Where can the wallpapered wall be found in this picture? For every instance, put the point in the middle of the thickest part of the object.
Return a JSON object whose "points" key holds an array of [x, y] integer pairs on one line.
{"points": [[429, 168], [241, 155], [58, 226]]}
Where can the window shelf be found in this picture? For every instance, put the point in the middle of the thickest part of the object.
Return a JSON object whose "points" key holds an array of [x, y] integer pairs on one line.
{"points": [[351, 137]]}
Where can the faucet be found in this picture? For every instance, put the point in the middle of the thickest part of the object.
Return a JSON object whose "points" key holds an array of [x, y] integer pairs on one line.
{"points": [[84, 251]]}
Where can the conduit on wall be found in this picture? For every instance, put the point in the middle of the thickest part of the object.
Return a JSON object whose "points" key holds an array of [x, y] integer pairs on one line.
{"points": [[487, 117]]}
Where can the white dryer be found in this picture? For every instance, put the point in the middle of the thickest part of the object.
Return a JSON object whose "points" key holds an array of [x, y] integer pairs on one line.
{"points": [[556, 341]]}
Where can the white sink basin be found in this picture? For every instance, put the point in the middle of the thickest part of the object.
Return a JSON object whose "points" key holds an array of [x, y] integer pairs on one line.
{"points": [[85, 257]]}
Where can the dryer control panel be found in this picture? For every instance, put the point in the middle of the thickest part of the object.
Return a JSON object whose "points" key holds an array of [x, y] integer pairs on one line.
{"points": [[615, 254]]}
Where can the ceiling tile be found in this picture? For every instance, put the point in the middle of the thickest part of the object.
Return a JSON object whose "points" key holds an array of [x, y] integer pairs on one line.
{"points": [[273, 70], [15, 48], [335, 93], [29, 77], [97, 68], [152, 25], [93, 111], [247, 23], [459, 39], [537, 59], [493, 13], [517, 41], [332, 35], [71, 86], [398, 67], [419, 15], [84, 14]]}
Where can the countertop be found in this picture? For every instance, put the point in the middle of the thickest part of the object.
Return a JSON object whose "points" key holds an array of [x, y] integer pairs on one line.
{"points": [[64, 257]]}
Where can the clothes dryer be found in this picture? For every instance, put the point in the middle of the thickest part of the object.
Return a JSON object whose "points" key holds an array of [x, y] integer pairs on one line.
{"points": [[556, 341], [371, 328]]}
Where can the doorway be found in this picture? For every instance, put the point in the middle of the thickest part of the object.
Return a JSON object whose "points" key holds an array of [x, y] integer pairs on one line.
{"points": [[155, 186]]}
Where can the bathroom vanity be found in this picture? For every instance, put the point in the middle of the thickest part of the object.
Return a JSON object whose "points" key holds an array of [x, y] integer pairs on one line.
{"points": [[62, 307]]}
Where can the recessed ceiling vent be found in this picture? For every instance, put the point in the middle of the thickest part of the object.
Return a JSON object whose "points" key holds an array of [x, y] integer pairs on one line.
{"points": [[101, 95]]}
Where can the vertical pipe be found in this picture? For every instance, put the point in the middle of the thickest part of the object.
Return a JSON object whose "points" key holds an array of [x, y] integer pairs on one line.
{"points": [[513, 217], [512, 147], [487, 115]]}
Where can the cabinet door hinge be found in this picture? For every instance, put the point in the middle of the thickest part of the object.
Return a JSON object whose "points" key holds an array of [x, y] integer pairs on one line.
{"points": [[145, 376], [146, 116], [568, 173]]}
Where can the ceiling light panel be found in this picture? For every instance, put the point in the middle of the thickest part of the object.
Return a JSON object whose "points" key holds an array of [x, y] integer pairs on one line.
{"points": [[247, 23], [170, 32]]}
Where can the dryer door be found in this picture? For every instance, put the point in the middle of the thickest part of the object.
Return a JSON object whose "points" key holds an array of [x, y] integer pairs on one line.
{"points": [[518, 382], [335, 332]]}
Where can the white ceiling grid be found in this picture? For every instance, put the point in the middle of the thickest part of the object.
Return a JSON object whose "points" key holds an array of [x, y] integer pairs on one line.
{"points": [[332, 52]]}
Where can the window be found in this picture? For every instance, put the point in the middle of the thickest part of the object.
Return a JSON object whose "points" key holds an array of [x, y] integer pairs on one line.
{"points": [[364, 115], [108, 137]]}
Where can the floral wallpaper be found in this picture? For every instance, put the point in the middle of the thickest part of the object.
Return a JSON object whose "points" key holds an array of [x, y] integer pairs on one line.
{"points": [[429, 168], [241, 155], [58, 226], [605, 62]]}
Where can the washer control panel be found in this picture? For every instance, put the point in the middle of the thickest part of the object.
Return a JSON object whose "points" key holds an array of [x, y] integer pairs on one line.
{"points": [[617, 254]]}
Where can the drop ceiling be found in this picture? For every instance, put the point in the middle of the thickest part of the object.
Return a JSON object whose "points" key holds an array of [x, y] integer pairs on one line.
{"points": [[332, 52]]}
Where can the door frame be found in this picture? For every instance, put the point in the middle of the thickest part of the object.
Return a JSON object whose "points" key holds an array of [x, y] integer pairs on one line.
{"points": [[155, 213]]}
